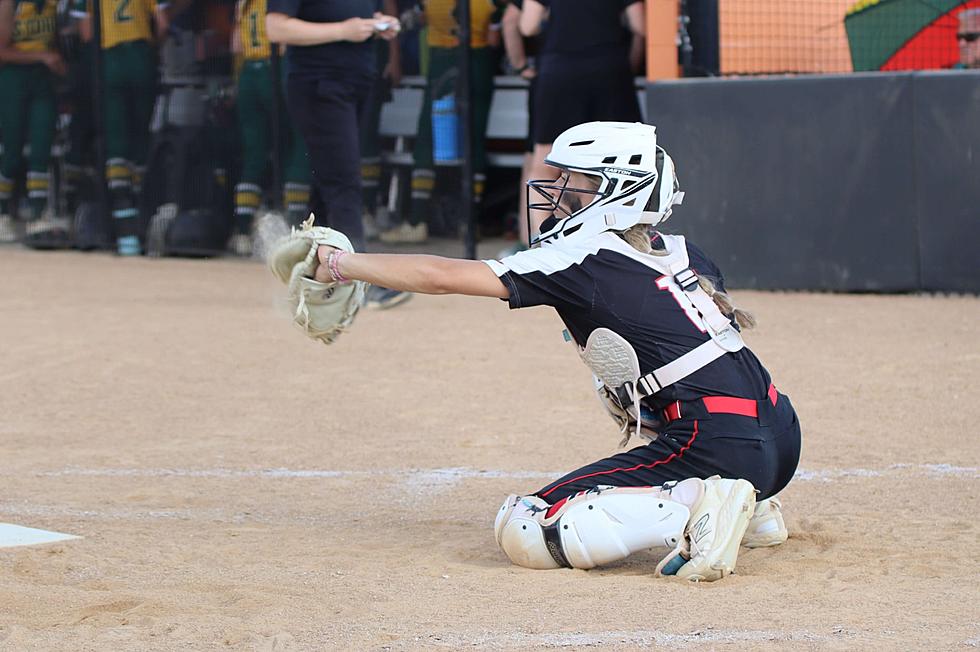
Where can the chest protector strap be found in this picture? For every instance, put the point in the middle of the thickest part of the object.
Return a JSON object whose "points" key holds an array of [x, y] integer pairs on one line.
{"points": [[614, 362]]}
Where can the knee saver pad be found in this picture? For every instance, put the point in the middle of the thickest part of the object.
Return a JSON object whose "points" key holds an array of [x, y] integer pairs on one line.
{"points": [[520, 534], [615, 523]]}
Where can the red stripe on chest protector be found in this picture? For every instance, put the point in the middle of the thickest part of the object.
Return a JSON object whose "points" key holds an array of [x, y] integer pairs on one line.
{"points": [[665, 460]]}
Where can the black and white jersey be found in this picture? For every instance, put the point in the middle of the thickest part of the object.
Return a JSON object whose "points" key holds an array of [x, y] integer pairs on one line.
{"points": [[603, 282]]}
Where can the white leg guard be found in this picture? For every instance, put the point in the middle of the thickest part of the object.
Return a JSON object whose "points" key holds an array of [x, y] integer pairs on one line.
{"points": [[595, 527], [767, 527]]}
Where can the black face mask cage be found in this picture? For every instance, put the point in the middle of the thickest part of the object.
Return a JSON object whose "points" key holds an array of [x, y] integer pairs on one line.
{"points": [[552, 206]]}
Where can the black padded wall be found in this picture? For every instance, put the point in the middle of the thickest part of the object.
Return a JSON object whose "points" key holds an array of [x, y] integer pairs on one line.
{"points": [[824, 182]]}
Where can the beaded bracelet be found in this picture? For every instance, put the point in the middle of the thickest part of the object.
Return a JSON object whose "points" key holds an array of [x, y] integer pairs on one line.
{"points": [[333, 264]]}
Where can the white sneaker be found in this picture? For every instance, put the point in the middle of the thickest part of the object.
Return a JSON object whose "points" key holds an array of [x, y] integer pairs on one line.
{"points": [[371, 230], [8, 229], [405, 233], [44, 224], [716, 527], [240, 244], [156, 233], [766, 528]]}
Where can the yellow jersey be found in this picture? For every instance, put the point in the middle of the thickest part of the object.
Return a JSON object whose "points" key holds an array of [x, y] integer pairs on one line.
{"points": [[440, 17], [124, 20], [251, 30], [35, 25]]}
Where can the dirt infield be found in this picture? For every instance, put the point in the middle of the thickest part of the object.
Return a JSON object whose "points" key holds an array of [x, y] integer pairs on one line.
{"points": [[239, 487]]}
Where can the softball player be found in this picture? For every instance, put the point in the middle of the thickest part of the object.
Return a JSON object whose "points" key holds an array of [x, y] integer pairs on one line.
{"points": [[650, 318], [129, 73], [28, 65], [256, 95]]}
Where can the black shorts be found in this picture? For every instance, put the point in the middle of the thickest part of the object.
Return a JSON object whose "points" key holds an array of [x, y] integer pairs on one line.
{"points": [[764, 451], [569, 93]]}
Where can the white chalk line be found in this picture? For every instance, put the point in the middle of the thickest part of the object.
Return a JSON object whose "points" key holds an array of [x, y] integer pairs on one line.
{"points": [[643, 638], [407, 485], [453, 475]]}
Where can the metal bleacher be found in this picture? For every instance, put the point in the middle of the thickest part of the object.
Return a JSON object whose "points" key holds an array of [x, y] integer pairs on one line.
{"points": [[506, 126], [508, 121]]}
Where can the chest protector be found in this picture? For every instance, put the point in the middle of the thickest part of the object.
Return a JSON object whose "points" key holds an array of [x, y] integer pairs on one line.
{"points": [[616, 368]]}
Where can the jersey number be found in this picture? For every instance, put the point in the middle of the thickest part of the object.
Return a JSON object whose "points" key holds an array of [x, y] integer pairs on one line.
{"points": [[122, 6], [253, 30], [668, 283]]}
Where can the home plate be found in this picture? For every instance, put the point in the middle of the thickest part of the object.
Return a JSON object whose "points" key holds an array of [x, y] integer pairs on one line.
{"points": [[18, 535]]}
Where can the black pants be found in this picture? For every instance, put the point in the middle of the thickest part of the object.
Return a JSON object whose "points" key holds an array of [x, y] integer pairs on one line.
{"points": [[569, 92], [764, 451], [327, 112]]}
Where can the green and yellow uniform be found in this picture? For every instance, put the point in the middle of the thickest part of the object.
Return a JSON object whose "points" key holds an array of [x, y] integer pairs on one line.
{"points": [[369, 127], [442, 27], [27, 103], [129, 74], [256, 98]]}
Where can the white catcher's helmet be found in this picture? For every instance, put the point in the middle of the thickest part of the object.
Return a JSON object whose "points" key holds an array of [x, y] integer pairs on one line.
{"points": [[635, 177]]}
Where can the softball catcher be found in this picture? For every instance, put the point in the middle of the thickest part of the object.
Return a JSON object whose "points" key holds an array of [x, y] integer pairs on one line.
{"points": [[649, 316]]}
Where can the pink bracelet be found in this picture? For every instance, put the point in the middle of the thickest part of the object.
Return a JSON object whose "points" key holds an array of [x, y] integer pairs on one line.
{"points": [[333, 264]]}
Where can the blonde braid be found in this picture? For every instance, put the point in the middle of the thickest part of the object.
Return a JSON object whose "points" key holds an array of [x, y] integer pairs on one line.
{"points": [[638, 237]]}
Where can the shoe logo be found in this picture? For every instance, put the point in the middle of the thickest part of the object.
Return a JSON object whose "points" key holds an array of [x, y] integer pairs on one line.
{"points": [[700, 529], [531, 507]]}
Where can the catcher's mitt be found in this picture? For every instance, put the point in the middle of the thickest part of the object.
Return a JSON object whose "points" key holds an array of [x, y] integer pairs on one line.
{"points": [[322, 310]]}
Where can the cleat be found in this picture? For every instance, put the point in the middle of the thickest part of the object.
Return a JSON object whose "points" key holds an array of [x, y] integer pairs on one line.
{"points": [[8, 229], [766, 528], [716, 527], [406, 234], [380, 298], [240, 245], [128, 245]]}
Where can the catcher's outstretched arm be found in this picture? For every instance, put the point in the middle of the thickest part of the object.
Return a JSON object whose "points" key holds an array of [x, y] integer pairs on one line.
{"points": [[417, 273]]}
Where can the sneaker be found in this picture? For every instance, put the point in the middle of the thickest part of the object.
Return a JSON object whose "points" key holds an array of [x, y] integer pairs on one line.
{"points": [[8, 229], [381, 298], [128, 245], [156, 233], [766, 528], [371, 230], [240, 244], [45, 224], [716, 527], [405, 233]]}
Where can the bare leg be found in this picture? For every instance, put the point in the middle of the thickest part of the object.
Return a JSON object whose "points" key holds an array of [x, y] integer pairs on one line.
{"points": [[538, 170], [522, 198]]}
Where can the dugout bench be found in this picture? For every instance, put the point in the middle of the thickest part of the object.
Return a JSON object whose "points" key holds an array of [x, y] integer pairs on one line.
{"points": [[506, 129]]}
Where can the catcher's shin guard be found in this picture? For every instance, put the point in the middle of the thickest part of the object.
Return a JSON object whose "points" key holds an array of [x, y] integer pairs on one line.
{"points": [[594, 527]]}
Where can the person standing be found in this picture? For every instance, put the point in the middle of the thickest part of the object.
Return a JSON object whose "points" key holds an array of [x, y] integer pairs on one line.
{"points": [[256, 98], [584, 69], [331, 72], [28, 65], [129, 72], [968, 38], [442, 36], [521, 54]]}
